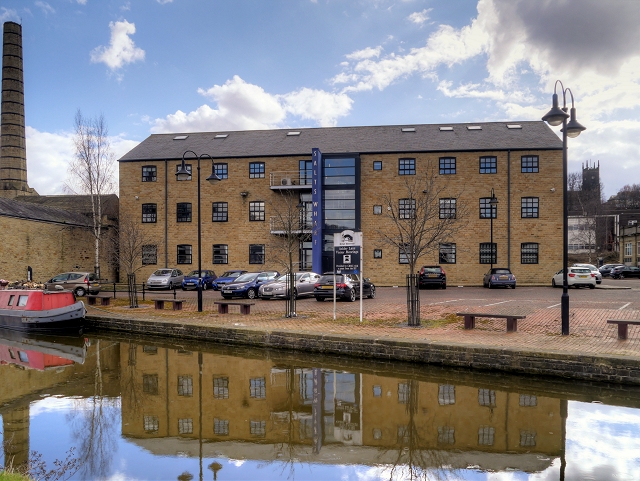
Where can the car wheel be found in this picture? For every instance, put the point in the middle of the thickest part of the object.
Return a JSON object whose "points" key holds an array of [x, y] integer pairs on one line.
{"points": [[80, 292], [204, 286], [553, 283], [170, 286], [319, 299], [251, 293], [621, 276], [514, 286], [591, 286], [444, 286], [226, 297], [184, 288], [372, 294], [352, 295], [489, 285]]}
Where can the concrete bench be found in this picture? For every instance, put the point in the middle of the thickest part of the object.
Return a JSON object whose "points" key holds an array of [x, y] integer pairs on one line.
{"points": [[105, 299], [223, 306], [470, 319], [177, 303], [623, 326]]}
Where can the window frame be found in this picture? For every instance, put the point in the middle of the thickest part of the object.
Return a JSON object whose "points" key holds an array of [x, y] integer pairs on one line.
{"points": [[187, 254], [442, 253], [224, 257], [377, 165], [487, 251], [490, 163], [530, 164], [407, 166], [488, 208], [147, 169], [252, 256], [447, 207], [257, 211], [147, 255], [222, 216], [221, 169], [407, 208], [256, 170], [149, 215], [377, 253], [529, 255], [445, 165], [530, 207], [181, 208]]}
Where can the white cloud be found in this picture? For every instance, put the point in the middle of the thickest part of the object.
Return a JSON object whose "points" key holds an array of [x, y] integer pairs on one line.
{"points": [[420, 17], [81, 2], [46, 8], [365, 53], [163, 2], [241, 105], [8, 15], [121, 50]]}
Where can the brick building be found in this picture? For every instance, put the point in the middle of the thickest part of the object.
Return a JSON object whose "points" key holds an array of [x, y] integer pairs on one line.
{"points": [[339, 177]]}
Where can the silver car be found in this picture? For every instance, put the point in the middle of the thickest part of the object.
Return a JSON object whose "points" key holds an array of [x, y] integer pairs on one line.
{"points": [[278, 288], [165, 279]]}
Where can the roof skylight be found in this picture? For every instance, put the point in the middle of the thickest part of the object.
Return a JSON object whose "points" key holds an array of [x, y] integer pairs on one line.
{"points": [[292, 133], [221, 136], [408, 129], [180, 137], [514, 126], [474, 127], [445, 128]]}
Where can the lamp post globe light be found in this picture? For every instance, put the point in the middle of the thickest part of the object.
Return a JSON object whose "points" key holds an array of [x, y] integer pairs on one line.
{"points": [[183, 174], [557, 116]]}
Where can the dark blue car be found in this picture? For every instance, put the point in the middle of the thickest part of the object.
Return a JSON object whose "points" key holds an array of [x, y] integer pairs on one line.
{"points": [[247, 284], [190, 281], [226, 278]]}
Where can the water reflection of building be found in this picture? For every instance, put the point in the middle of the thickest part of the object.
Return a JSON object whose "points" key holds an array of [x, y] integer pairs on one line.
{"points": [[171, 398]]}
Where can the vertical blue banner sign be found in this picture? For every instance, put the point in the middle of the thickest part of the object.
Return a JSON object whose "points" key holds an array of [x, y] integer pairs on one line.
{"points": [[316, 216]]}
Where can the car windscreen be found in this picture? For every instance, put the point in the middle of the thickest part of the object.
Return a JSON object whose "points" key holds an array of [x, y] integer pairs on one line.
{"points": [[581, 270], [432, 269], [246, 277], [329, 279], [230, 274], [162, 272], [501, 271], [285, 277], [195, 274]]}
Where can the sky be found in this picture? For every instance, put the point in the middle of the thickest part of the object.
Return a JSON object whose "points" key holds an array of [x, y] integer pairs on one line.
{"points": [[165, 66]]}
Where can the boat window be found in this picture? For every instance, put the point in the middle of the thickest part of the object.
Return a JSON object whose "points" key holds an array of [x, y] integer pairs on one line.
{"points": [[11, 298], [23, 356], [13, 356], [22, 301]]}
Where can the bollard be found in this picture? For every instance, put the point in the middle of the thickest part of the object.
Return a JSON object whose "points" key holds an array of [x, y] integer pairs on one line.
{"points": [[114, 290], [143, 291]]}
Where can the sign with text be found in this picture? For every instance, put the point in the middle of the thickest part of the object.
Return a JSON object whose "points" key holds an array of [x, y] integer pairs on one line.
{"points": [[347, 246]]}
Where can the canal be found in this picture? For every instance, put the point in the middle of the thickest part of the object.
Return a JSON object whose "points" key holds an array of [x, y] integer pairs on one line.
{"points": [[104, 407]]}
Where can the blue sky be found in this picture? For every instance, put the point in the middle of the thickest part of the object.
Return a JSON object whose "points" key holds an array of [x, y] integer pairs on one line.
{"points": [[153, 66]]}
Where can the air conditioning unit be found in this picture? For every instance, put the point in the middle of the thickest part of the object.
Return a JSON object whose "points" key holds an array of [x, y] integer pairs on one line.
{"points": [[286, 181]]}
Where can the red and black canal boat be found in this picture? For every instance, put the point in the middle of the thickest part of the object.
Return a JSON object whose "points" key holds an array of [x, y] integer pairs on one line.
{"points": [[41, 311]]}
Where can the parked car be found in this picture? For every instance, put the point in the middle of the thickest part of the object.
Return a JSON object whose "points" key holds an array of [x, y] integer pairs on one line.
{"points": [[605, 270], [576, 277], [433, 276], [190, 281], [593, 269], [226, 278], [625, 271], [247, 284], [166, 278], [347, 287], [78, 282], [279, 288], [499, 276]]}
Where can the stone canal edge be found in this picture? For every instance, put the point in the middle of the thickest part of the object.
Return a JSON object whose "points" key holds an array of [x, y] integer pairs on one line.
{"points": [[599, 368]]}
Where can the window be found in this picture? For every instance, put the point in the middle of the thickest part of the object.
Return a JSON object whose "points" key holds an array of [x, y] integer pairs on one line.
{"points": [[151, 424], [185, 386], [258, 428], [628, 249], [11, 299], [149, 173], [529, 207], [447, 165], [487, 210], [186, 166], [377, 210], [488, 253], [220, 254], [446, 394], [377, 253], [151, 350], [487, 397], [446, 435], [221, 170], [403, 253], [257, 388], [256, 170], [447, 208], [185, 426], [184, 254], [256, 253], [529, 253], [149, 213], [488, 165], [150, 383], [22, 301], [406, 166], [219, 212], [528, 400], [403, 392], [256, 211], [221, 427], [447, 254], [221, 387], [527, 438], [377, 165], [149, 255], [183, 212], [407, 209], [529, 163], [377, 390], [486, 435]]}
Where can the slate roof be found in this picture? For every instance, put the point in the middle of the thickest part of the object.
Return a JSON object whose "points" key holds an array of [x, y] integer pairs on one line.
{"points": [[35, 212], [374, 140], [74, 203]]}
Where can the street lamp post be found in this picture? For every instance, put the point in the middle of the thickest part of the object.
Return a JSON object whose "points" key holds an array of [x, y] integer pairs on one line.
{"points": [[492, 203], [555, 117], [183, 174]]}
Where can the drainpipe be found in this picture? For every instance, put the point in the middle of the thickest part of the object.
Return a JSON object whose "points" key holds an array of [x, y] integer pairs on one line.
{"points": [[508, 209], [166, 213]]}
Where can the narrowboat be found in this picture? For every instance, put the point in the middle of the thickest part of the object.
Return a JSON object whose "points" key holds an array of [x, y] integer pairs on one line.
{"points": [[41, 311], [41, 351]]}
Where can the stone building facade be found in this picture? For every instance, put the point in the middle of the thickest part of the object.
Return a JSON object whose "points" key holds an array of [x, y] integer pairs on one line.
{"points": [[355, 168]]}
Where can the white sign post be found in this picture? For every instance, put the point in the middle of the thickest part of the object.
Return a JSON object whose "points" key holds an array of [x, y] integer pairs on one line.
{"points": [[347, 259]]}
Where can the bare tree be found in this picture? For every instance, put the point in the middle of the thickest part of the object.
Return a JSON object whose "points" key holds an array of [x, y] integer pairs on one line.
{"points": [[92, 170], [424, 214]]}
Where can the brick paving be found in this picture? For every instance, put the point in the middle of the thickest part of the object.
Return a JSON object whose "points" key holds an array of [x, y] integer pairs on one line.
{"points": [[385, 318]]}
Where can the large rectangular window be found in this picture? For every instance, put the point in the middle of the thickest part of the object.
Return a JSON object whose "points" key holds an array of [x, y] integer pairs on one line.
{"points": [[221, 388], [149, 213], [149, 255], [306, 171], [256, 170], [530, 163], [256, 211], [220, 254], [488, 165], [221, 170], [447, 165], [256, 253], [529, 207], [407, 208], [488, 210], [149, 173], [221, 427], [186, 166], [447, 253], [488, 253], [529, 253], [183, 212], [447, 208], [219, 212], [184, 254], [340, 209], [339, 171], [406, 166], [258, 388], [185, 386]]}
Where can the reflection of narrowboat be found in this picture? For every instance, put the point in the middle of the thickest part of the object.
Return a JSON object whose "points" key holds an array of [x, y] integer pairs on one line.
{"points": [[40, 311], [41, 351]]}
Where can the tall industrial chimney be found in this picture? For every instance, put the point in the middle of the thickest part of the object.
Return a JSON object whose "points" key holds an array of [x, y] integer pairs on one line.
{"points": [[13, 153]]}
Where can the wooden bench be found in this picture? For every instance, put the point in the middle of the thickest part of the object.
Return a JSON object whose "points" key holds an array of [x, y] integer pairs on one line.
{"points": [[105, 299], [623, 326], [223, 306], [470, 319], [177, 303]]}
